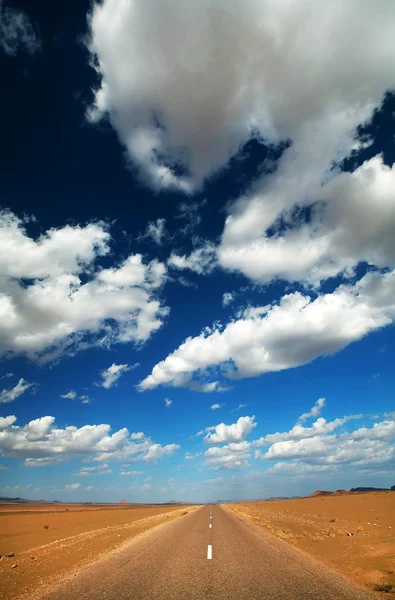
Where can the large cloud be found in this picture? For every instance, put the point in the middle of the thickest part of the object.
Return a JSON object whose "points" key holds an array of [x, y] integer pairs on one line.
{"points": [[235, 433], [188, 82], [40, 442], [54, 297], [278, 337], [353, 220]]}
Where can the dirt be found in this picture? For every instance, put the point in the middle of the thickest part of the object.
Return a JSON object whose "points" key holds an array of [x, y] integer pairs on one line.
{"points": [[354, 534], [50, 541]]}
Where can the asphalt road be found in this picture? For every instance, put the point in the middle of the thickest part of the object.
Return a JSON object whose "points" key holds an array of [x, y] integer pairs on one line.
{"points": [[187, 560]]}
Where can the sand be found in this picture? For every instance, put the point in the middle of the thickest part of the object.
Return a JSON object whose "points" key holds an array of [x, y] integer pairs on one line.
{"points": [[321, 526], [51, 540]]}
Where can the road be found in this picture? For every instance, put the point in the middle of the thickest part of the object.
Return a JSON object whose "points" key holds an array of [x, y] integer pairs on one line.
{"points": [[208, 554]]}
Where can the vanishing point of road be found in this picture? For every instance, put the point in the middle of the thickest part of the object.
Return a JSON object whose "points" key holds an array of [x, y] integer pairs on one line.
{"points": [[208, 554]]}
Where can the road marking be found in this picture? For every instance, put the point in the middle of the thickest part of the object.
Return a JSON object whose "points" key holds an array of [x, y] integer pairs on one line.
{"points": [[210, 526], [209, 552], [211, 517]]}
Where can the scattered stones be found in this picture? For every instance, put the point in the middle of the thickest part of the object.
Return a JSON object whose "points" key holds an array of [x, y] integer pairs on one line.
{"points": [[10, 555], [14, 566], [349, 533], [332, 520]]}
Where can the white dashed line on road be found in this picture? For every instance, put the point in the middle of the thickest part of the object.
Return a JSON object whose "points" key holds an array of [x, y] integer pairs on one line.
{"points": [[210, 526], [211, 517], [209, 552]]}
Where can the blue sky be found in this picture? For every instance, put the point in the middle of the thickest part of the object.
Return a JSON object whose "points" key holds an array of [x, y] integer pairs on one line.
{"points": [[196, 249]]}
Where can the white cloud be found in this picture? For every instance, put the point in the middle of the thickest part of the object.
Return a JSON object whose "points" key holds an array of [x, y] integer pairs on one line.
{"points": [[277, 337], [314, 412], [11, 394], [168, 402], [145, 487], [231, 433], [72, 486], [229, 457], [239, 407], [17, 31], [40, 442], [353, 221], [46, 307], [156, 231], [320, 445], [214, 74], [133, 473], [298, 432], [190, 456], [227, 298], [202, 260], [157, 451], [89, 488], [111, 375], [85, 399], [97, 470], [216, 406], [69, 396]]}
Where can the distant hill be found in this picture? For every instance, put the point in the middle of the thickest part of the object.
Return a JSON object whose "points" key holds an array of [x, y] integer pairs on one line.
{"points": [[372, 489], [17, 499], [123, 501], [320, 493]]}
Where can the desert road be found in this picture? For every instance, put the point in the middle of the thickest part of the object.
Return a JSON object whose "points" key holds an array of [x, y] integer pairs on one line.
{"points": [[207, 554]]}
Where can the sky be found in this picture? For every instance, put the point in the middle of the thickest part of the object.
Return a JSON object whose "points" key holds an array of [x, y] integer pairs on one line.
{"points": [[197, 249]]}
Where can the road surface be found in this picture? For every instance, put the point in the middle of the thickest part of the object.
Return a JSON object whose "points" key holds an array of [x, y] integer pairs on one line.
{"points": [[208, 554]]}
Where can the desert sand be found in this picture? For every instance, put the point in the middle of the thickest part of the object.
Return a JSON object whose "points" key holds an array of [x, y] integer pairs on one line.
{"points": [[353, 534], [49, 541]]}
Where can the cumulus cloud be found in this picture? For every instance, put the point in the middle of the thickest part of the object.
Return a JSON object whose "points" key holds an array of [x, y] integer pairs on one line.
{"points": [[54, 298], [228, 457], [157, 451], [111, 375], [231, 433], [216, 406], [281, 336], [362, 446], [202, 260], [40, 442], [213, 75], [17, 32], [133, 473], [190, 456], [72, 486], [168, 402], [11, 394], [352, 221], [330, 445], [71, 395]]}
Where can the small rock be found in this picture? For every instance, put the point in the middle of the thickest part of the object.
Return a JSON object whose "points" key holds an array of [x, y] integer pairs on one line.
{"points": [[119, 535], [10, 555], [14, 566], [374, 524], [349, 533], [32, 557]]}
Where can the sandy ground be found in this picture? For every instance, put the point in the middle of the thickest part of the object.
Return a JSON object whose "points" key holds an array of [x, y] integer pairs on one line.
{"points": [[50, 541], [353, 534]]}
